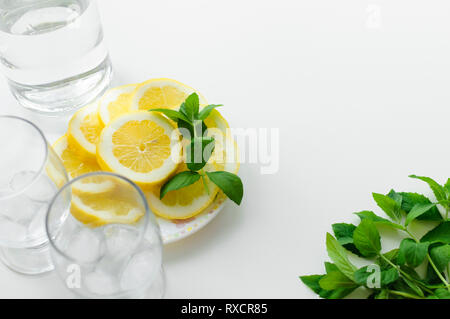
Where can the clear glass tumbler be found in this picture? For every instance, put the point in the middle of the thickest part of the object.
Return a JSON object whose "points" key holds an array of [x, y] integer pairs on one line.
{"points": [[53, 54], [30, 175], [105, 242]]}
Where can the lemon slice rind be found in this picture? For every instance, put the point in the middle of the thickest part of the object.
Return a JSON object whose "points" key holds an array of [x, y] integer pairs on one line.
{"points": [[79, 166], [112, 96], [96, 218], [183, 89], [77, 138]]}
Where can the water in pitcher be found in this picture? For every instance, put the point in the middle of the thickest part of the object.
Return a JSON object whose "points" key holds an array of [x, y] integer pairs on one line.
{"points": [[53, 53]]}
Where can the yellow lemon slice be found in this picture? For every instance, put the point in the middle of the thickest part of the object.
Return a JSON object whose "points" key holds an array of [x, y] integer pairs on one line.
{"points": [[186, 202], [76, 166], [143, 146], [162, 93], [116, 206], [216, 120], [115, 102], [84, 131]]}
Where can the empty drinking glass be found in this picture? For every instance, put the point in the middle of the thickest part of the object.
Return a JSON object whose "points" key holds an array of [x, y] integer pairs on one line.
{"points": [[53, 54], [105, 243], [30, 175]]}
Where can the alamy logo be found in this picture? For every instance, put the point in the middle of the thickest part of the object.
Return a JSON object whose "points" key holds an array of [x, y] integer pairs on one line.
{"points": [[73, 280], [373, 16], [374, 279]]}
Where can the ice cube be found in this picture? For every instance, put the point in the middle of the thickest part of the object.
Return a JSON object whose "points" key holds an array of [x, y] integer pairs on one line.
{"points": [[140, 269], [101, 284], [11, 231], [42, 190], [121, 240], [36, 228], [18, 209], [86, 246]]}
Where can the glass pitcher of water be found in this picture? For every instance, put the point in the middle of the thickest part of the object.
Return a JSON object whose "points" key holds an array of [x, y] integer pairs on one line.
{"points": [[53, 53]]}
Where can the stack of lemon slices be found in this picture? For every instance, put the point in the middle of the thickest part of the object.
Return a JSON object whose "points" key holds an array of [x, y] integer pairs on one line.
{"points": [[118, 134]]}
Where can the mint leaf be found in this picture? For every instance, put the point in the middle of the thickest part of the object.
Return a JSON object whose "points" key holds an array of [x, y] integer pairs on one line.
{"points": [[391, 256], [229, 183], [418, 210], [186, 128], [412, 253], [414, 288], [438, 190], [172, 114], [440, 256], [447, 187], [337, 293], [440, 234], [383, 294], [344, 234], [329, 267], [409, 200], [190, 107], [442, 293], [387, 276], [179, 181], [338, 255], [390, 206], [206, 111], [367, 239], [198, 152], [377, 219], [312, 281], [335, 280]]}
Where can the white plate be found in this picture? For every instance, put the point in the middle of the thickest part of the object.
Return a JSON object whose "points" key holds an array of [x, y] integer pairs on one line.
{"points": [[177, 229]]}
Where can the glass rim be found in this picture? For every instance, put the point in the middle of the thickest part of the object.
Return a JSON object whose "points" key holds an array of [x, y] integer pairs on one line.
{"points": [[89, 4], [44, 162], [69, 184]]}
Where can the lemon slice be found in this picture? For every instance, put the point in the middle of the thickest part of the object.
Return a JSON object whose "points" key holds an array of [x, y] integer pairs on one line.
{"points": [[76, 166], [84, 131], [142, 146], [111, 207], [162, 93], [115, 102], [216, 120], [185, 202]]}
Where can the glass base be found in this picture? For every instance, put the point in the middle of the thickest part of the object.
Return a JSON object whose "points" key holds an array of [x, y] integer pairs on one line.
{"points": [[64, 96], [27, 261], [158, 288]]}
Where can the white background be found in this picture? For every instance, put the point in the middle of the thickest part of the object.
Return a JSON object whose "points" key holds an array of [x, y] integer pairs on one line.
{"points": [[359, 90]]}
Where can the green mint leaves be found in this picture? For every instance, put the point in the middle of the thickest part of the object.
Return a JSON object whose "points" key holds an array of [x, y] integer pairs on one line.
{"points": [[190, 121], [179, 181], [229, 183], [391, 274], [367, 239]]}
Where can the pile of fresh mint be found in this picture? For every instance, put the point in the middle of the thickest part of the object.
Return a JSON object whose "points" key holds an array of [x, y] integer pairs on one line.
{"points": [[190, 121], [393, 274]]}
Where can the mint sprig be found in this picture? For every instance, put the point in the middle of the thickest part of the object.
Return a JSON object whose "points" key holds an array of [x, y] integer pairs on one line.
{"points": [[397, 275], [190, 121]]}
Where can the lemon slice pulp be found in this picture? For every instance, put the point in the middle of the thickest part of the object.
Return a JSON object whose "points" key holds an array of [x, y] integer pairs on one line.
{"points": [[143, 146]]}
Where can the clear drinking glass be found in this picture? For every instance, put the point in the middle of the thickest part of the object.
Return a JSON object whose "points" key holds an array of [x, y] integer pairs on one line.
{"points": [[30, 175], [53, 54], [105, 242]]}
